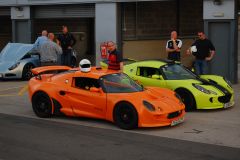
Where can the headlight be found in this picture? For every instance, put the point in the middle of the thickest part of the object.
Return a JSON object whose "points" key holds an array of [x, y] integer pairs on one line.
{"points": [[202, 89], [14, 66], [149, 106], [228, 82], [212, 92]]}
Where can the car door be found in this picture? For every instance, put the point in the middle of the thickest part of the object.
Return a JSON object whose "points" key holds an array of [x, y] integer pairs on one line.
{"points": [[86, 101], [147, 76]]}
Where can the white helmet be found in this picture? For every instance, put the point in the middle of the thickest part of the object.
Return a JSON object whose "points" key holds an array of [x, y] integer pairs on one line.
{"points": [[85, 65], [193, 49]]}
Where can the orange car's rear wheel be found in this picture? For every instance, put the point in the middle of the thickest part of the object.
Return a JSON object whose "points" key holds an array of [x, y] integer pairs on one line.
{"points": [[42, 105], [125, 116]]}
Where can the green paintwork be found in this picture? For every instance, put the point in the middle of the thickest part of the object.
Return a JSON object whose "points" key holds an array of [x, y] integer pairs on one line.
{"points": [[202, 99]]}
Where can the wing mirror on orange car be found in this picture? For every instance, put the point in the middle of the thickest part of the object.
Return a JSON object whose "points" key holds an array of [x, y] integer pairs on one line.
{"points": [[94, 89]]}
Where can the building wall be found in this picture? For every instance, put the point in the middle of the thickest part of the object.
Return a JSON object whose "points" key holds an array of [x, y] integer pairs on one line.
{"points": [[147, 26], [154, 49]]}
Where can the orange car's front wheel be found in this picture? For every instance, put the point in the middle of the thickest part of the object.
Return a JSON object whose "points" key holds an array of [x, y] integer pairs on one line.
{"points": [[125, 116], [42, 105]]}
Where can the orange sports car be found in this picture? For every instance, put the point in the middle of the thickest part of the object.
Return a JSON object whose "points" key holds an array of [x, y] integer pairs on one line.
{"points": [[102, 94]]}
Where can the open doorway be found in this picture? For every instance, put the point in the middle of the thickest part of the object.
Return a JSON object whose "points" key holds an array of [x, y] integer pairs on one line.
{"points": [[81, 28]]}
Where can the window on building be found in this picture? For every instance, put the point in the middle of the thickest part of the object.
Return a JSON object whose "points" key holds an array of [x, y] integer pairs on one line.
{"points": [[86, 83], [155, 20]]}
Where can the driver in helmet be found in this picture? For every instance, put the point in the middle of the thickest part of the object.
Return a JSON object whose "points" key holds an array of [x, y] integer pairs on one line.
{"points": [[85, 65]]}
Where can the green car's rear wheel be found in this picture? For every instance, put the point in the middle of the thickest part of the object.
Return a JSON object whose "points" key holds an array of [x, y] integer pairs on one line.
{"points": [[188, 99]]}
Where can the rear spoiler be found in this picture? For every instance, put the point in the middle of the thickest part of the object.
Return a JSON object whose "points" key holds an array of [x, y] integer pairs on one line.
{"points": [[39, 70]]}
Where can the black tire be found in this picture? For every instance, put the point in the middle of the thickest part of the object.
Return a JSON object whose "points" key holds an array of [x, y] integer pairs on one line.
{"points": [[188, 99], [42, 105], [125, 116], [27, 73]]}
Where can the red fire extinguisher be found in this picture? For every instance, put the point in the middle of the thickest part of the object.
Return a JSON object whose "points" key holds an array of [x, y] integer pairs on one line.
{"points": [[103, 50]]}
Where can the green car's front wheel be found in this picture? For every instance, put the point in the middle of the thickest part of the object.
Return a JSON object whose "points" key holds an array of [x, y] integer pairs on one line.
{"points": [[187, 98]]}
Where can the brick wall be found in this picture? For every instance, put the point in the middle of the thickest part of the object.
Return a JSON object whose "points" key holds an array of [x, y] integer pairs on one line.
{"points": [[154, 49]]}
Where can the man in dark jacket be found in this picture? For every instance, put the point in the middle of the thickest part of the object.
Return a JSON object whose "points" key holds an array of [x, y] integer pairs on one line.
{"points": [[203, 50], [66, 40]]}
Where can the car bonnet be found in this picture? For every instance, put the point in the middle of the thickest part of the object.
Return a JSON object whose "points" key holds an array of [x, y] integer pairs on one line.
{"points": [[13, 52]]}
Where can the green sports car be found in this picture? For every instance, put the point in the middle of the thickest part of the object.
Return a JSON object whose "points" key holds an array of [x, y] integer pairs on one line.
{"points": [[196, 92]]}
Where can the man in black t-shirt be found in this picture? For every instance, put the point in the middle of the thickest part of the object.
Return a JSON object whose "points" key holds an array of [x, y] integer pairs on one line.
{"points": [[203, 50], [66, 40], [173, 47]]}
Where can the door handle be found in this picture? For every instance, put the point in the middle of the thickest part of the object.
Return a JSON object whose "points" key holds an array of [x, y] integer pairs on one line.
{"points": [[62, 93]]}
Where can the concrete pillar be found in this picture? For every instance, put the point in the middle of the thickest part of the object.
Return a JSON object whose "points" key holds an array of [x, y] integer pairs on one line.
{"points": [[220, 25], [106, 25], [21, 24]]}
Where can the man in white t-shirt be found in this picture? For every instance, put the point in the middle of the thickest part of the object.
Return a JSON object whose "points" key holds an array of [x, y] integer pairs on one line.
{"points": [[173, 47]]}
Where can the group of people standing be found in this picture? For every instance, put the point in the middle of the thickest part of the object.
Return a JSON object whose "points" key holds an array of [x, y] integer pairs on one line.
{"points": [[55, 51], [202, 49], [59, 52]]}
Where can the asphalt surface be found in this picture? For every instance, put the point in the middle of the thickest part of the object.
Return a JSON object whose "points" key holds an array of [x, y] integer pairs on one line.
{"points": [[204, 135], [26, 139]]}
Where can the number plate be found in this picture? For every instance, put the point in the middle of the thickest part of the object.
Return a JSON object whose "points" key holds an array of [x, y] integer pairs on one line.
{"points": [[229, 104], [175, 122]]}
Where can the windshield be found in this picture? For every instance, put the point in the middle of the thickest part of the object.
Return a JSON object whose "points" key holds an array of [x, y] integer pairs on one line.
{"points": [[14, 51], [177, 72], [119, 83]]}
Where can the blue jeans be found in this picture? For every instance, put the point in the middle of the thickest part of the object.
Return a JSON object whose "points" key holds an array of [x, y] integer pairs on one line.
{"points": [[200, 67]]}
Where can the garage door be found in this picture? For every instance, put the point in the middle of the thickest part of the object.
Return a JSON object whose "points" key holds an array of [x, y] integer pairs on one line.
{"points": [[5, 27], [65, 11], [5, 11]]}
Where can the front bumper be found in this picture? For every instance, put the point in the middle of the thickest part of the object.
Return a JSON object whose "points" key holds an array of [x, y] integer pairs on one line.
{"points": [[217, 102], [10, 75], [158, 120]]}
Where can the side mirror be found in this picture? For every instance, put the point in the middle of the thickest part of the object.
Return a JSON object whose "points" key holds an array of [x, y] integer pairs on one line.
{"points": [[94, 89], [155, 76]]}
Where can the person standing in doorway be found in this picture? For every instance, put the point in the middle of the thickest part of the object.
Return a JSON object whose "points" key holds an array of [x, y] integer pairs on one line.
{"points": [[66, 40], [40, 40], [50, 52], [173, 47], [204, 51]]}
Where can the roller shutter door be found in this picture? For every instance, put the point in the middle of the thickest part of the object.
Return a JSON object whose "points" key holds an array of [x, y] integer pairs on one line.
{"points": [[5, 27], [65, 11], [5, 11]]}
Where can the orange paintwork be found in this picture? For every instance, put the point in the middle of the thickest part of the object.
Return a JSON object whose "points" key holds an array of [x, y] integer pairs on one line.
{"points": [[39, 70], [95, 103]]}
